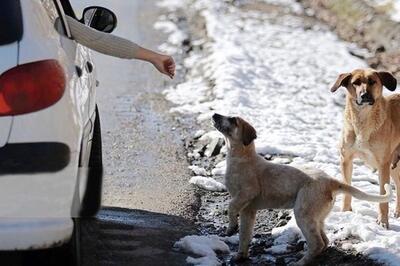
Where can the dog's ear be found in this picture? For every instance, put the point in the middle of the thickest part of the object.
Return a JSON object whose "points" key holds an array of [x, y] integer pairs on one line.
{"points": [[248, 133], [342, 80], [388, 80]]}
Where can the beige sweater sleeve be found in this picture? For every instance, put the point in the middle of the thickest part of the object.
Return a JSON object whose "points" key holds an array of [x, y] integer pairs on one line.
{"points": [[101, 42]]}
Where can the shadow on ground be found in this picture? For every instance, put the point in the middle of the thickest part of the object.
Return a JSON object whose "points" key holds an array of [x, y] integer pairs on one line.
{"points": [[120, 236], [117, 236]]}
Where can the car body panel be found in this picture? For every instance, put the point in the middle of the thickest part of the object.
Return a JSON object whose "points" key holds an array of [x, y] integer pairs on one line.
{"points": [[40, 195], [9, 59], [31, 233]]}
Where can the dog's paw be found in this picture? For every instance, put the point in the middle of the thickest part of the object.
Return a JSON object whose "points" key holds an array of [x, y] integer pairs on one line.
{"points": [[384, 222], [232, 230], [347, 209], [240, 257]]}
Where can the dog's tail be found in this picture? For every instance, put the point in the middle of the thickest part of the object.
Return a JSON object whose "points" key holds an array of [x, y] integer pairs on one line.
{"points": [[358, 194]]}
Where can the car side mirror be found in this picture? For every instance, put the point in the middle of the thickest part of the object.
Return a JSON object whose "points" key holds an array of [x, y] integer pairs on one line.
{"points": [[99, 18]]}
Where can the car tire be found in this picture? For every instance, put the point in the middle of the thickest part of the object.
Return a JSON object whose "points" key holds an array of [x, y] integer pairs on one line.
{"points": [[91, 202]]}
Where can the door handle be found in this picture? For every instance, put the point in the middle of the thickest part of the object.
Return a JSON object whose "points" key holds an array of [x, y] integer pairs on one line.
{"points": [[89, 67], [78, 71]]}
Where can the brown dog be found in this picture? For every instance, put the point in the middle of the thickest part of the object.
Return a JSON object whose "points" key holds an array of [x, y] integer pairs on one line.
{"points": [[254, 184], [371, 130]]}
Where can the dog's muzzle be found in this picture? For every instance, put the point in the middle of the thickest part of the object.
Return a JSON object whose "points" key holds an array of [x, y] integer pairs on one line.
{"points": [[218, 120], [365, 98]]}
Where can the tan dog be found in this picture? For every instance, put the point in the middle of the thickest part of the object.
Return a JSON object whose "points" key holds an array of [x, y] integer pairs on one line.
{"points": [[254, 184], [371, 130]]}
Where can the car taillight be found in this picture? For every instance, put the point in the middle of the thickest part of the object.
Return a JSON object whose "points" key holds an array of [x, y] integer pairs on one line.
{"points": [[31, 87]]}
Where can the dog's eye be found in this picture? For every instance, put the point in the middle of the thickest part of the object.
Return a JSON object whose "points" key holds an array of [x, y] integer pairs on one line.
{"points": [[371, 82], [357, 82], [232, 120]]}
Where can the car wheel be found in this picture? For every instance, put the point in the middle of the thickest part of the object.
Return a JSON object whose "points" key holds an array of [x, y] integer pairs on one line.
{"points": [[91, 202]]}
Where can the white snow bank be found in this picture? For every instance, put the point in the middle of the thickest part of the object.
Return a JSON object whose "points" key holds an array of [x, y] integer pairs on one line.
{"points": [[277, 75], [219, 169], [203, 246], [207, 183], [198, 170]]}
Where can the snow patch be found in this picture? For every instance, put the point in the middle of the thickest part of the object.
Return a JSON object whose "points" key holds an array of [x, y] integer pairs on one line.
{"points": [[231, 239], [207, 183], [198, 170], [219, 169], [203, 246]]}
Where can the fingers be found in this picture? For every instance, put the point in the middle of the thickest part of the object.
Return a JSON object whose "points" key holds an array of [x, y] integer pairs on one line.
{"points": [[169, 67]]}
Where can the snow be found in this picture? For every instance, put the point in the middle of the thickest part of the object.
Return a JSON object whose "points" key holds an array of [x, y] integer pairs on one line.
{"points": [[219, 169], [199, 133], [210, 136], [203, 246], [231, 239], [277, 75], [207, 183], [198, 170]]}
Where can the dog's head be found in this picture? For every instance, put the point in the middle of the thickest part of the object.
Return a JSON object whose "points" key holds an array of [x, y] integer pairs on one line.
{"points": [[365, 86], [235, 129]]}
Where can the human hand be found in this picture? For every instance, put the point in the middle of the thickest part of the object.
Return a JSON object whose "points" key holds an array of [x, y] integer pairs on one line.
{"points": [[165, 64]]}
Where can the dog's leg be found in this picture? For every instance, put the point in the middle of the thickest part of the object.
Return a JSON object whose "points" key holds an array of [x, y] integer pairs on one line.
{"points": [[395, 174], [235, 206], [309, 219], [247, 220], [312, 234], [384, 178], [346, 165], [323, 235], [325, 209]]}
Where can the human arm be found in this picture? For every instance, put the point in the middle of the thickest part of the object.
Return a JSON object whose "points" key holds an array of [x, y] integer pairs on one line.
{"points": [[112, 45]]}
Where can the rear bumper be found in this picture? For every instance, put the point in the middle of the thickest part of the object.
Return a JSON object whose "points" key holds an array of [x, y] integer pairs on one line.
{"points": [[32, 158], [24, 234]]}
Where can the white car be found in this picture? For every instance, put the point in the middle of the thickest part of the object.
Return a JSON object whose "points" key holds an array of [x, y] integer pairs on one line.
{"points": [[50, 141]]}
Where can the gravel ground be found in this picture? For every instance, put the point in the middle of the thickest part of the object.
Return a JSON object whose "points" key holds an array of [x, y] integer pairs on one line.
{"points": [[145, 166]]}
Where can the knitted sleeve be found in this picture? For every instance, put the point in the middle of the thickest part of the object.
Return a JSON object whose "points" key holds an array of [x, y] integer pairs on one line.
{"points": [[101, 42]]}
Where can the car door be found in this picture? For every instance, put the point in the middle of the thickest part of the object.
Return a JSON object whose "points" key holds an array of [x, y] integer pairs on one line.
{"points": [[78, 67], [85, 95]]}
